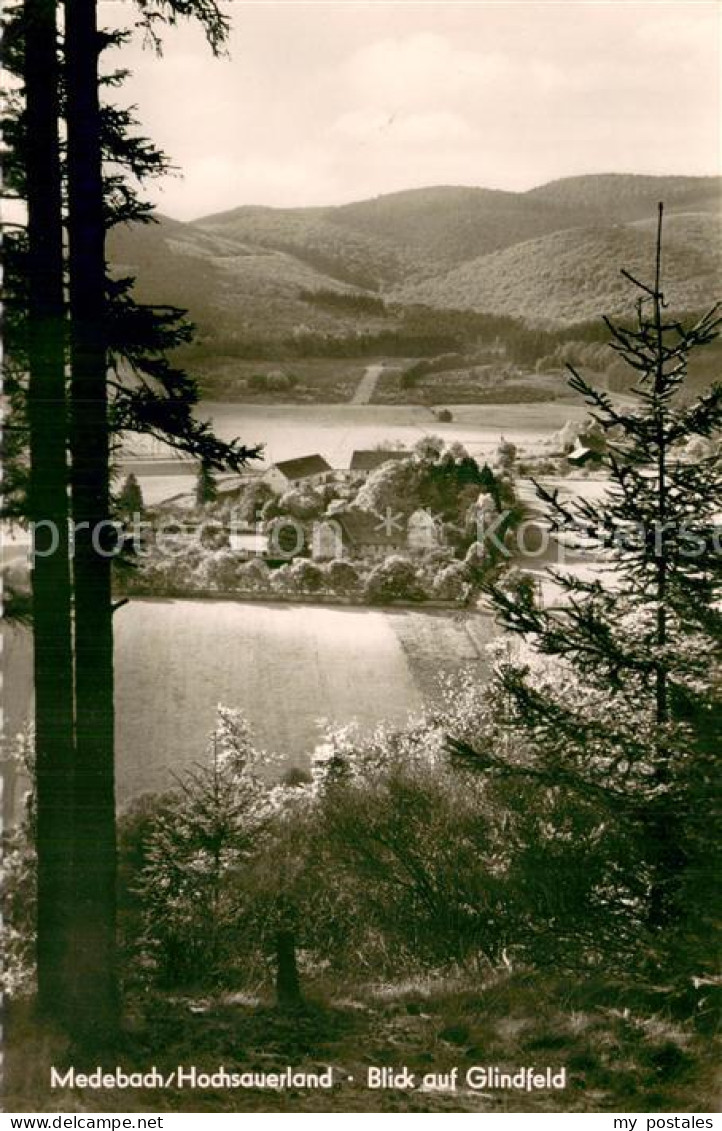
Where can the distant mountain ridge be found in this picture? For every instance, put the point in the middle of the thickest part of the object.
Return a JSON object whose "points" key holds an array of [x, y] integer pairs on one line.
{"points": [[551, 254], [574, 274]]}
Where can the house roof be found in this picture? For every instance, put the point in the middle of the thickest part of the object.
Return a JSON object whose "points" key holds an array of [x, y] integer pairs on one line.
{"points": [[368, 459], [580, 454], [364, 529], [303, 466]]}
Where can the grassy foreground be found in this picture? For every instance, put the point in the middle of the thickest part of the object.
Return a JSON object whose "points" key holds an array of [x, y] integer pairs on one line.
{"points": [[620, 1054]]}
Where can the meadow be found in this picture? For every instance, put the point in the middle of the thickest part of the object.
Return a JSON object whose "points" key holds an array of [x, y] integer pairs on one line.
{"points": [[325, 379], [287, 667], [335, 430]]}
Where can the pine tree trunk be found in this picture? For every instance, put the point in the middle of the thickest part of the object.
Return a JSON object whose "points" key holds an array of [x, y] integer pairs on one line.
{"points": [[48, 509], [288, 989], [96, 1002]]}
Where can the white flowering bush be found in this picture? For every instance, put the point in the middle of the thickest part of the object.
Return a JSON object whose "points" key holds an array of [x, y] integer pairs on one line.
{"points": [[18, 881]]}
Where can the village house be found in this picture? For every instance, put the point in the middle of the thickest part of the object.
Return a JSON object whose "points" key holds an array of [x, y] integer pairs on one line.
{"points": [[367, 536], [364, 461], [305, 471], [580, 456]]}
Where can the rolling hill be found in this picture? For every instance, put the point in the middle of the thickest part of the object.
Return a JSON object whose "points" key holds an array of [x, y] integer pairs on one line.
{"points": [[574, 275], [421, 231], [550, 255], [363, 259], [232, 288], [447, 225], [620, 198]]}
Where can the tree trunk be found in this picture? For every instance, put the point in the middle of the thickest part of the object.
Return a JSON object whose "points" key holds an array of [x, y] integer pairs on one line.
{"points": [[95, 995], [48, 509], [288, 989]]}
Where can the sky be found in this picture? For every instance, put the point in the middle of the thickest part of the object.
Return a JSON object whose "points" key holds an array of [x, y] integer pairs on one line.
{"points": [[324, 103]]}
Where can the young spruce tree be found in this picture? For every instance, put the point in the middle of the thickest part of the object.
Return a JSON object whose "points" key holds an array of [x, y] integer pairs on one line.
{"points": [[634, 721]]}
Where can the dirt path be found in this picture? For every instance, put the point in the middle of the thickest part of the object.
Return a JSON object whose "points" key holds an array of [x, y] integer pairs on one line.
{"points": [[367, 384]]}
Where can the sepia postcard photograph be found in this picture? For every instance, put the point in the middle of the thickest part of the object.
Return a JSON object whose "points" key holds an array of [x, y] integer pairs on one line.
{"points": [[361, 561]]}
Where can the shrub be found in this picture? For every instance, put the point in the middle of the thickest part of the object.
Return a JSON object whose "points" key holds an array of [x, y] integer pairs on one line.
{"points": [[280, 579], [304, 576], [214, 536], [415, 855], [505, 454], [254, 574], [251, 500], [451, 583], [18, 870], [277, 381], [219, 569], [302, 503], [395, 579], [342, 577]]}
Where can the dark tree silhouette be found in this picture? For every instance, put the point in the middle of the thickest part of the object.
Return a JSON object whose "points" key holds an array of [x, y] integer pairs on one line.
{"points": [[206, 487], [101, 326], [130, 499], [47, 502], [95, 989]]}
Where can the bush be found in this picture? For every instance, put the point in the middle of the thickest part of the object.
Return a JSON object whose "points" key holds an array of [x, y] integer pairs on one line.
{"points": [[342, 577], [19, 886], [214, 536], [415, 857], [395, 579], [302, 503], [278, 381], [219, 570], [254, 574], [273, 382], [451, 583], [505, 454], [251, 500], [304, 576]]}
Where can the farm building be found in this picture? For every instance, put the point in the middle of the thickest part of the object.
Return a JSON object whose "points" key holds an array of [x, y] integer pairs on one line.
{"points": [[367, 535], [364, 461], [580, 456], [305, 471]]}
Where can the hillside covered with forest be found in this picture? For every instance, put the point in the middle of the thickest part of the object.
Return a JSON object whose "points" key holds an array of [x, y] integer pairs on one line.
{"points": [[369, 277]]}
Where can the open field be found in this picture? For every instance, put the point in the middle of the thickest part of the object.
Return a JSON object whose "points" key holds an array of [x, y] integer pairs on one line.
{"points": [[335, 430], [325, 379], [285, 666], [472, 384]]}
